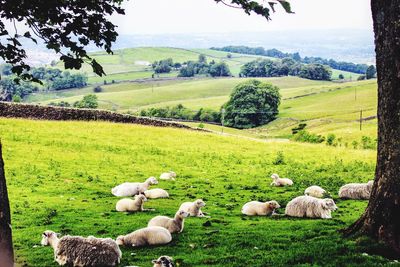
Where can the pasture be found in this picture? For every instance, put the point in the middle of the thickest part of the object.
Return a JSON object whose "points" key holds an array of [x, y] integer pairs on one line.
{"points": [[60, 175]]}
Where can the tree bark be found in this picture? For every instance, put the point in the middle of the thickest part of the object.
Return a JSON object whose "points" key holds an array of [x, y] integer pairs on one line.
{"points": [[6, 246], [381, 220]]}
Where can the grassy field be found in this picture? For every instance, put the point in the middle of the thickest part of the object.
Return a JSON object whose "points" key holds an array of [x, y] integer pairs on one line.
{"points": [[194, 94], [60, 175], [135, 63], [335, 111]]}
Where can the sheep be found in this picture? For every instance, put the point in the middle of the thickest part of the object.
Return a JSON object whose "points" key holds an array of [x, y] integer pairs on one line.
{"points": [[307, 206], [80, 251], [260, 208], [149, 236], [193, 208], [156, 193], [356, 191], [131, 189], [163, 261], [174, 225], [280, 181], [315, 191], [168, 176], [127, 204]]}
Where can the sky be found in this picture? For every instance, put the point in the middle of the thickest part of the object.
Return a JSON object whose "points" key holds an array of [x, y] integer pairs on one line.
{"points": [[206, 16]]}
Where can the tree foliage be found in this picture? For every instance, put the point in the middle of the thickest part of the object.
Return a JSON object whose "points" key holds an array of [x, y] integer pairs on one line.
{"points": [[65, 27], [251, 104], [260, 51], [371, 72]]}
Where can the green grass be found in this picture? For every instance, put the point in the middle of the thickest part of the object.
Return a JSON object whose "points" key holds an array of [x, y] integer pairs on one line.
{"points": [[336, 111], [194, 94], [60, 175]]}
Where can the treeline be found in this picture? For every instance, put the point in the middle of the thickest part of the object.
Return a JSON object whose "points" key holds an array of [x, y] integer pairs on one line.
{"points": [[285, 67], [181, 112], [260, 51], [88, 101], [52, 79], [192, 68]]}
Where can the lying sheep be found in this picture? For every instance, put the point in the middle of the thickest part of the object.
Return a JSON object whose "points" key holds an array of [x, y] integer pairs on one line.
{"points": [[174, 225], [193, 208], [80, 251], [163, 261], [306, 206], [356, 191], [149, 236], [260, 208], [131, 189], [127, 204], [156, 193], [168, 176], [280, 181], [315, 191]]}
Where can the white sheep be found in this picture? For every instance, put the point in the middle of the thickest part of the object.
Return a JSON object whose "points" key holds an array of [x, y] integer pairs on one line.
{"points": [[193, 208], [173, 225], [280, 181], [163, 261], [131, 189], [130, 205], [312, 207], [156, 193], [260, 208], [149, 236], [315, 191], [356, 191], [168, 176], [80, 251]]}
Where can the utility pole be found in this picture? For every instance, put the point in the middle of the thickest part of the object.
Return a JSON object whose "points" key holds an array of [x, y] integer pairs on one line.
{"points": [[360, 119], [222, 119], [355, 93]]}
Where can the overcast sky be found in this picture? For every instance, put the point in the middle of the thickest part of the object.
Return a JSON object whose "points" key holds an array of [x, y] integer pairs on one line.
{"points": [[203, 16]]}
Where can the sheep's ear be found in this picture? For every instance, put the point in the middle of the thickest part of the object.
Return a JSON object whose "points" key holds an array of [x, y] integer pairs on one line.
{"points": [[155, 262]]}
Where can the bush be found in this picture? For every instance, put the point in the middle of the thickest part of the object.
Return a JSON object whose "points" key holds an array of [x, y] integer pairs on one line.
{"points": [[330, 140], [304, 136], [279, 159], [361, 77], [368, 143], [88, 101], [98, 89], [16, 99], [251, 104]]}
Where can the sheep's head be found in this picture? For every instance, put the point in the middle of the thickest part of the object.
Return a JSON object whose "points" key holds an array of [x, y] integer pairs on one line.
{"points": [[182, 214], [47, 236], [275, 176], [120, 240], [163, 261], [200, 203], [141, 197], [273, 205], [152, 180], [173, 174], [329, 204]]}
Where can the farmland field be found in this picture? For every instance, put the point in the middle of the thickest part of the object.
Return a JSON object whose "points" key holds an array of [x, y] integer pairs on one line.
{"points": [[60, 175]]}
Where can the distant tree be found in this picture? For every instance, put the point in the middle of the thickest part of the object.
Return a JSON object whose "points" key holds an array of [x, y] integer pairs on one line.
{"points": [[229, 55], [252, 103], [371, 72], [98, 89], [88, 101], [202, 58], [341, 77], [219, 70], [9, 88], [163, 66], [361, 77], [315, 72], [6, 69], [16, 99]]}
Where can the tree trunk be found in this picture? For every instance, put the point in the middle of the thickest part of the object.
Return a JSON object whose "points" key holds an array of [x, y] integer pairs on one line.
{"points": [[381, 220], [6, 246]]}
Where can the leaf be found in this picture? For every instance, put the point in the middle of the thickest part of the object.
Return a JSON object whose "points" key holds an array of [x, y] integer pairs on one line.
{"points": [[286, 6], [272, 4]]}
